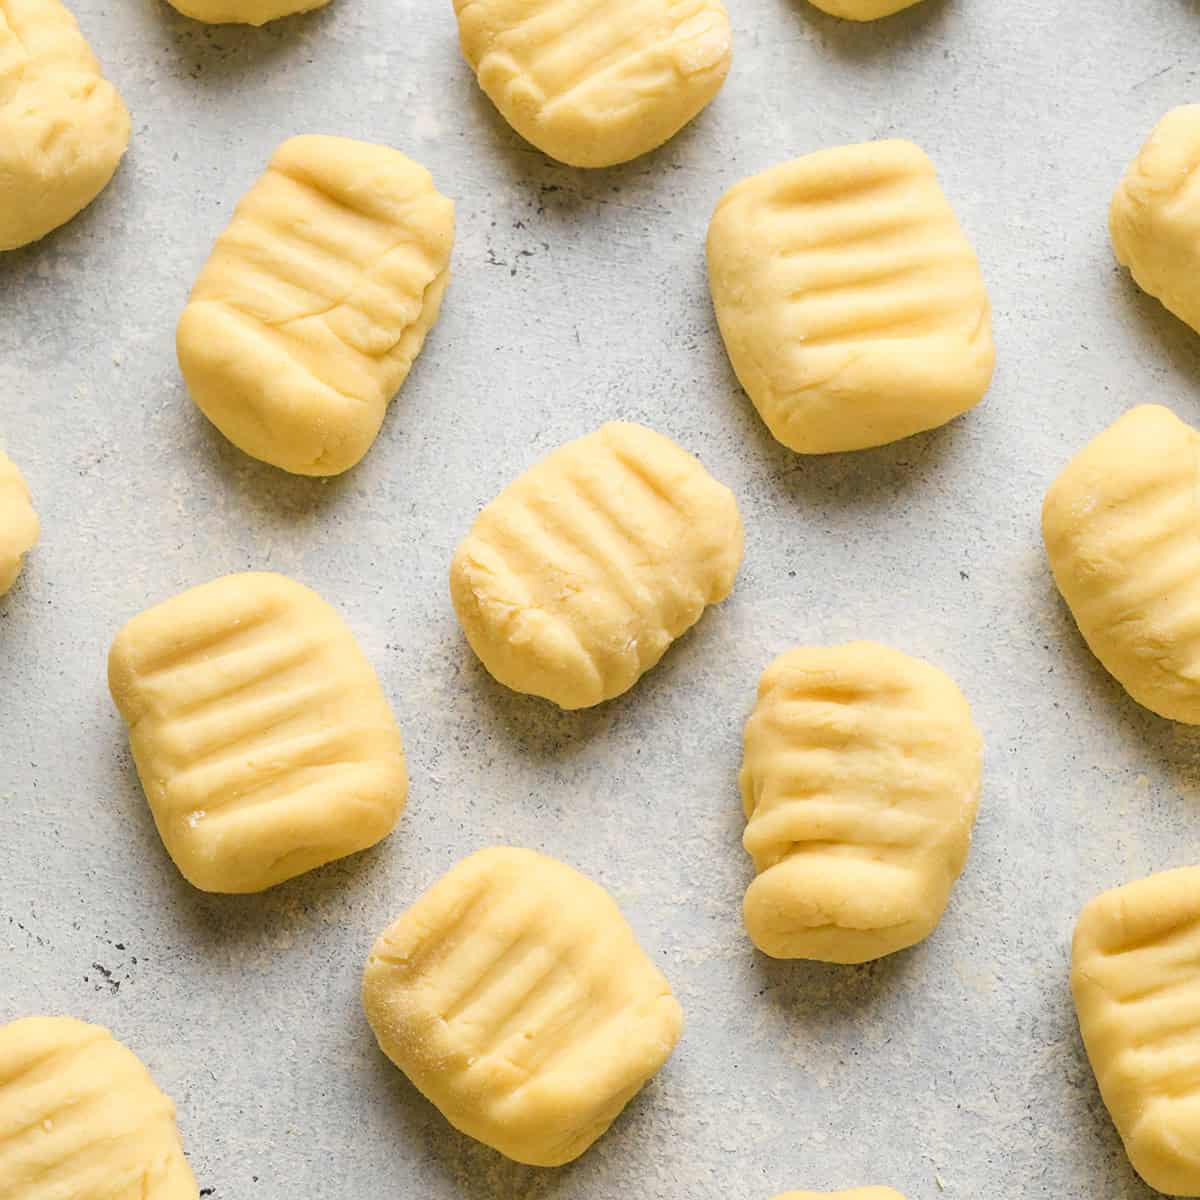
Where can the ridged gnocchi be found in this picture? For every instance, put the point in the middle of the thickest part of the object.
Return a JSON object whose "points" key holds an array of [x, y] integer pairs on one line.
{"points": [[316, 300], [596, 84], [1154, 218], [81, 1119], [63, 126], [515, 997], [1135, 976], [263, 740], [18, 523], [1119, 526], [849, 299], [576, 579], [860, 784]]}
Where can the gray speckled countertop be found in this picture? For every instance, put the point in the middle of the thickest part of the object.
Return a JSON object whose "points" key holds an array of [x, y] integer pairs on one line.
{"points": [[954, 1069]]}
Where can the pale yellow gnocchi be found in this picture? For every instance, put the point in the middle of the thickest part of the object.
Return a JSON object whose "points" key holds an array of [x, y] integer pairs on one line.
{"points": [[596, 84], [63, 126], [1154, 218], [81, 1119], [860, 784], [1119, 525], [1135, 975], [850, 301], [243, 12], [862, 10], [315, 302], [515, 997], [263, 740], [576, 579], [867, 1193], [18, 523]]}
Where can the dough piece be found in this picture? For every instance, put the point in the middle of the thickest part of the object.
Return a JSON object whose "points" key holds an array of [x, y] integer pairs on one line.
{"points": [[63, 126], [81, 1119], [576, 579], [316, 300], [263, 740], [868, 1193], [18, 522], [514, 995], [860, 785], [1120, 530], [849, 299], [1135, 975], [862, 10], [244, 12], [1154, 219], [596, 84]]}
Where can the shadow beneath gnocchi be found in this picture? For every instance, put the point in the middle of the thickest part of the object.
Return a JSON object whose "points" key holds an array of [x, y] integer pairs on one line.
{"points": [[860, 41], [1126, 721], [209, 55], [472, 1169], [1178, 340]]}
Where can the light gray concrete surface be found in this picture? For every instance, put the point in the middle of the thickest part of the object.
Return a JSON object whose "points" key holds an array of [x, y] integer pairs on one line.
{"points": [[954, 1069]]}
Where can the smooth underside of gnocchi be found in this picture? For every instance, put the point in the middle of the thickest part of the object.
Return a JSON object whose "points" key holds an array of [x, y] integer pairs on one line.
{"points": [[515, 997], [81, 1119], [1135, 975], [576, 579], [1119, 526], [243, 12], [263, 740], [596, 83], [18, 523], [315, 302], [1154, 218], [850, 302], [860, 784], [862, 10], [63, 126]]}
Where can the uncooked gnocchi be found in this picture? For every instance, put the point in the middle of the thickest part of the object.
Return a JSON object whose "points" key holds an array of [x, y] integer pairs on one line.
{"points": [[862, 10], [18, 523], [867, 1193], [81, 1119], [860, 785], [1120, 530], [316, 300], [574, 581], [596, 84], [63, 126], [1135, 975], [262, 738], [1154, 218], [515, 996], [243, 12], [849, 299]]}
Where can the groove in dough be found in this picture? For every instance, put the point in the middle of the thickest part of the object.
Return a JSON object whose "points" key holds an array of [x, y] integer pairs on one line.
{"points": [[576, 579], [63, 126], [1135, 976], [81, 1119], [315, 302], [860, 785], [515, 997], [849, 299], [594, 84], [263, 740]]}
